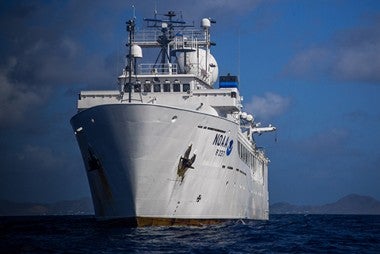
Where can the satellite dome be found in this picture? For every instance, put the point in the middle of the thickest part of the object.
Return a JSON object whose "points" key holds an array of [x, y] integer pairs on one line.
{"points": [[136, 51], [206, 23]]}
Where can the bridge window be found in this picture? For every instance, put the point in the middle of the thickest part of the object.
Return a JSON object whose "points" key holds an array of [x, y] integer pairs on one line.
{"points": [[157, 88], [166, 87], [176, 87], [137, 88], [147, 88], [186, 87]]}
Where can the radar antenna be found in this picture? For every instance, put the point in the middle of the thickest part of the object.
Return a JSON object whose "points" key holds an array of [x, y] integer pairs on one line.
{"points": [[167, 26]]}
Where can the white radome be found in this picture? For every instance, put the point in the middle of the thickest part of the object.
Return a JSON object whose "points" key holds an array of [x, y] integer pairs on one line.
{"points": [[198, 67], [136, 51]]}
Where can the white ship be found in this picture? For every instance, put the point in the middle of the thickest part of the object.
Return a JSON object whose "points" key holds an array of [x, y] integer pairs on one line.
{"points": [[167, 148]]}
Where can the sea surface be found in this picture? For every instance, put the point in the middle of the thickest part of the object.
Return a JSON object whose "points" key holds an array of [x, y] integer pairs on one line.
{"points": [[281, 234]]}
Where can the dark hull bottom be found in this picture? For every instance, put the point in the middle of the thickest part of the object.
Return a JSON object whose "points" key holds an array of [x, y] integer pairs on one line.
{"points": [[149, 222]]}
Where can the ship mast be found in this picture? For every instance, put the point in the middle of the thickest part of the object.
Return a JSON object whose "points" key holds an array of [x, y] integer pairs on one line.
{"points": [[131, 30]]}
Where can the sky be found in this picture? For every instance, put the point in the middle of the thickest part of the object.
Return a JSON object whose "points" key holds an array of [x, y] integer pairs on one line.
{"points": [[311, 68]]}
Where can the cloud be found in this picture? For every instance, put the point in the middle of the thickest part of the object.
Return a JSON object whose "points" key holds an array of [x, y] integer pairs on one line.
{"points": [[309, 64], [42, 173], [330, 142], [357, 116], [358, 63], [208, 7], [230, 6], [15, 99], [268, 106], [38, 158], [351, 55], [43, 48]]}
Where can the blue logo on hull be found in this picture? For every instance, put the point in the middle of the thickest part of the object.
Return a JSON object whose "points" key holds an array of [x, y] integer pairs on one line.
{"points": [[229, 148]]}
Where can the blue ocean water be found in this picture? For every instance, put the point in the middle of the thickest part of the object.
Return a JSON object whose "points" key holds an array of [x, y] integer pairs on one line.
{"points": [[281, 234]]}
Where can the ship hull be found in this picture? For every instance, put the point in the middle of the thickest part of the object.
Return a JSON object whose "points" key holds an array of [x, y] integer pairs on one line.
{"points": [[158, 165]]}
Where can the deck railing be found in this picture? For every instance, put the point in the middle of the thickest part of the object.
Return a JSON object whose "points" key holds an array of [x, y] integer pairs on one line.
{"points": [[149, 37], [166, 69]]}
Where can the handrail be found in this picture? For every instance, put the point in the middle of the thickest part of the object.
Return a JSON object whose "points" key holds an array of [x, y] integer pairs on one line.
{"points": [[150, 36], [157, 69]]}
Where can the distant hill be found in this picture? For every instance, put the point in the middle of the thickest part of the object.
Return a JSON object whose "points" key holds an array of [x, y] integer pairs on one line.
{"points": [[351, 204], [72, 207]]}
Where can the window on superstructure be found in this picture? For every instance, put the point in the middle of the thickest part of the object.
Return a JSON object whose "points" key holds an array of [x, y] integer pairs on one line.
{"points": [[137, 88], [166, 87], [176, 87], [157, 88], [147, 88], [185, 87]]}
